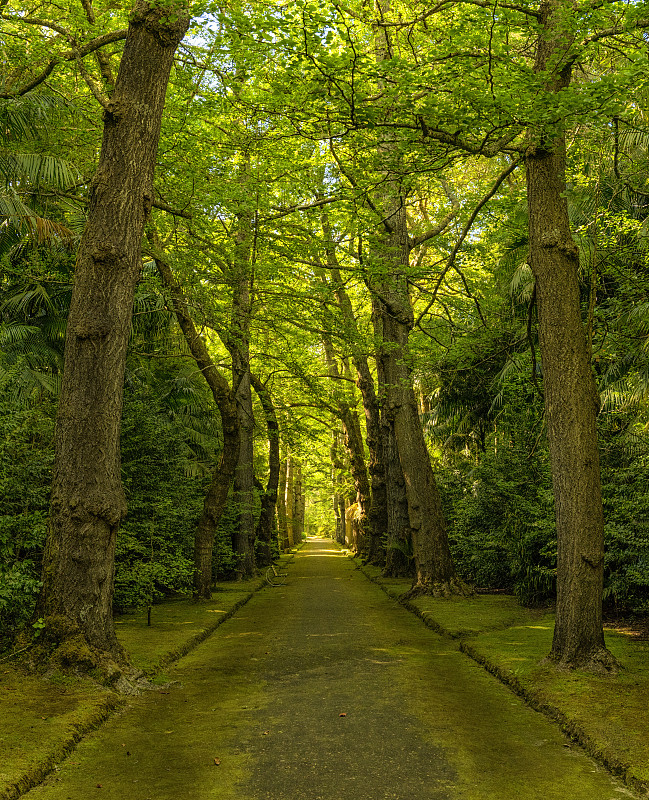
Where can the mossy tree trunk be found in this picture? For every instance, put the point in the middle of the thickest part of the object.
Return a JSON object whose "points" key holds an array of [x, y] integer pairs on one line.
{"points": [[354, 445], [264, 532], [571, 397], [399, 562], [435, 572], [338, 499], [298, 503], [238, 344], [87, 501]]}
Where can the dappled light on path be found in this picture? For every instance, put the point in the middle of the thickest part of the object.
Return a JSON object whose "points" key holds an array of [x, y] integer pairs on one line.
{"points": [[328, 690]]}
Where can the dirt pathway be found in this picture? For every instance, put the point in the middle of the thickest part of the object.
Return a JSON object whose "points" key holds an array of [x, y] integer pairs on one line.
{"points": [[324, 689]]}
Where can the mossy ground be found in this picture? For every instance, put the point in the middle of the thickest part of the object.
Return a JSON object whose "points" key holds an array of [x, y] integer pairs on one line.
{"points": [[42, 719], [265, 695], [608, 715]]}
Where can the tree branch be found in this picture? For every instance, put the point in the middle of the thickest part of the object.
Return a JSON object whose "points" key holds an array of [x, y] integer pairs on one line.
{"points": [[303, 207], [70, 55], [451, 259]]}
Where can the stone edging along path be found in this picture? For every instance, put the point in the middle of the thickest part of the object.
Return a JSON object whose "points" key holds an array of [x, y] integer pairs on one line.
{"points": [[570, 727], [105, 706]]}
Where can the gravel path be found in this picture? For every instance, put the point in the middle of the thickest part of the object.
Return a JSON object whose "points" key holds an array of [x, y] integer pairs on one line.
{"points": [[325, 689]]}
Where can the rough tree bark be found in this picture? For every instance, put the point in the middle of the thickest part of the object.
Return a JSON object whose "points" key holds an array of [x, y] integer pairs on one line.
{"points": [[338, 498], [264, 532], [87, 502], [298, 503], [238, 344], [399, 562], [217, 494], [571, 397]]}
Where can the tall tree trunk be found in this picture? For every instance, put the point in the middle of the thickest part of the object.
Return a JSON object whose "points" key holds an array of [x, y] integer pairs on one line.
{"points": [[282, 523], [571, 397], [434, 568], [298, 503], [217, 493], [377, 522], [264, 532], [290, 501], [243, 539], [390, 256], [238, 340], [338, 498], [87, 501], [399, 561], [353, 443]]}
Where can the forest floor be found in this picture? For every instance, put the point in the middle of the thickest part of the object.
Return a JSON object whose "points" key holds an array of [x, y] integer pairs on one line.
{"points": [[321, 689]]}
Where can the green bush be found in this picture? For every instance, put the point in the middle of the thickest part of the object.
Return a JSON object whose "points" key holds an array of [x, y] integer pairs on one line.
{"points": [[501, 524], [625, 490], [154, 556], [26, 456]]}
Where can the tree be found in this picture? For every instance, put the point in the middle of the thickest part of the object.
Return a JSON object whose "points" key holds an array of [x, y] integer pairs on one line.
{"points": [[264, 530], [571, 397], [217, 493], [87, 496]]}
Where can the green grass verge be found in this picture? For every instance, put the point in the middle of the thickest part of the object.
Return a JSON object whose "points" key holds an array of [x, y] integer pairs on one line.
{"points": [[606, 715], [42, 719]]}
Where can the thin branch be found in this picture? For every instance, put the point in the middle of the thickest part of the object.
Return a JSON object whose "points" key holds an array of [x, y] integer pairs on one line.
{"points": [[441, 226], [94, 87], [511, 6], [451, 259], [70, 55], [615, 31], [41, 23], [304, 207]]}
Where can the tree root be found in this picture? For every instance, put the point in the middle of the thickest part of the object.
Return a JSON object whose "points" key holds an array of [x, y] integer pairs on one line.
{"points": [[451, 588], [598, 662], [61, 647]]}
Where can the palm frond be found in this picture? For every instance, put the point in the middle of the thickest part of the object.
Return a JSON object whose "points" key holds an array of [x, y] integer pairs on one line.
{"points": [[521, 285]]}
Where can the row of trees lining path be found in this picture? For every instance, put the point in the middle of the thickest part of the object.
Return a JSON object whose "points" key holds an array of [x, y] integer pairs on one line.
{"points": [[363, 206], [296, 697]]}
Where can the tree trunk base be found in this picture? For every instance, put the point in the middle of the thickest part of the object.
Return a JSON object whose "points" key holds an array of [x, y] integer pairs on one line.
{"points": [[598, 662], [450, 588], [399, 571], [61, 646]]}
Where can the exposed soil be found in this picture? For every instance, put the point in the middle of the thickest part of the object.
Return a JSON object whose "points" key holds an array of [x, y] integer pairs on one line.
{"points": [[327, 689]]}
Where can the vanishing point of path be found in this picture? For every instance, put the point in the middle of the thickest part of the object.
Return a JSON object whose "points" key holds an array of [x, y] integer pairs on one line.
{"points": [[325, 689]]}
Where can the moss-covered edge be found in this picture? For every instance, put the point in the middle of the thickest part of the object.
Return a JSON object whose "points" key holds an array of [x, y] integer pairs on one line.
{"points": [[38, 772], [182, 650], [575, 732], [113, 702], [597, 751]]}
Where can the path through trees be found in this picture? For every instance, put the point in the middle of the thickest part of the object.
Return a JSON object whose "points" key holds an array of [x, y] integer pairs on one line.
{"points": [[324, 688]]}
